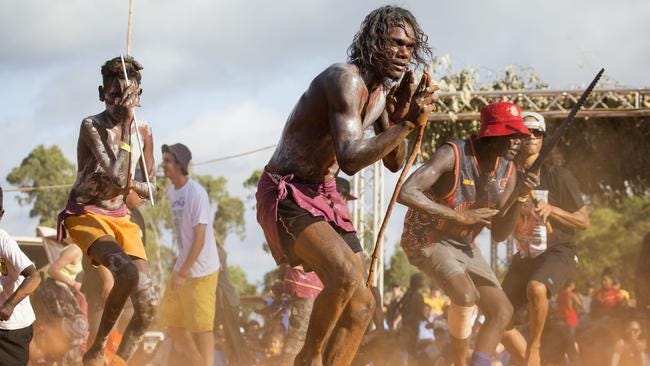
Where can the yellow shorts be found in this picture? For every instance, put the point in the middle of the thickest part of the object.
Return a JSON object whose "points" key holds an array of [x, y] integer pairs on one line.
{"points": [[191, 306], [85, 229]]}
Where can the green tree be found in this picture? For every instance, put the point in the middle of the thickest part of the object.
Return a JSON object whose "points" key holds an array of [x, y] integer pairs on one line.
{"points": [[251, 182], [613, 240], [229, 217], [399, 271], [239, 280], [44, 166]]}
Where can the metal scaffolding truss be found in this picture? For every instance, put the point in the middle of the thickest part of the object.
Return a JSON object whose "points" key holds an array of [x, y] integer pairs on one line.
{"points": [[553, 104], [368, 184], [464, 105], [500, 263], [368, 211]]}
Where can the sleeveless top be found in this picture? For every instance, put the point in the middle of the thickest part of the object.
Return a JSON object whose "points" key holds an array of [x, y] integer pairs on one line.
{"points": [[471, 190]]}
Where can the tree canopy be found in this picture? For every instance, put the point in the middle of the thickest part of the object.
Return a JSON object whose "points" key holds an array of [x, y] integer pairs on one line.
{"points": [[613, 240], [399, 271], [44, 166]]}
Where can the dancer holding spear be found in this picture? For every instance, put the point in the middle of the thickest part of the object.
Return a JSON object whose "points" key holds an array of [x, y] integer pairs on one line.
{"points": [[305, 220], [96, 216]]}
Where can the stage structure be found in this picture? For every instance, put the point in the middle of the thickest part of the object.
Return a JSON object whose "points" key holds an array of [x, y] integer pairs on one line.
{"points": [[368, 185], [368, 212]]}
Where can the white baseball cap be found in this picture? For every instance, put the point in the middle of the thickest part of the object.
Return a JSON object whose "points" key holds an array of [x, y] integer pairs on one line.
{"points": [[539, 124]]}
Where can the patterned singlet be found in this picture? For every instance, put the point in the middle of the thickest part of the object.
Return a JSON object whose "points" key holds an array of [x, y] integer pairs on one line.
{"points": [[471, 190]]}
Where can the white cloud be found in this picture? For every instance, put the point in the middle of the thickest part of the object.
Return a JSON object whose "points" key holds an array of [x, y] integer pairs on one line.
{"points": [[223, 78]]}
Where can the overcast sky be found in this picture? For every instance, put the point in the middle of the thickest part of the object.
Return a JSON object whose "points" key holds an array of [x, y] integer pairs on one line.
{"points": [[221, 77]]}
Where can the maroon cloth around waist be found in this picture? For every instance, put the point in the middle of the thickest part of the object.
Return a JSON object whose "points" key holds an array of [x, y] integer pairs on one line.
{"points": [[76, 209], [305, 285], [319, 199]]}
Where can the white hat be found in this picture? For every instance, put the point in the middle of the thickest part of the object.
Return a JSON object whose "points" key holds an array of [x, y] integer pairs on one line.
{"points": [[539, 124]]}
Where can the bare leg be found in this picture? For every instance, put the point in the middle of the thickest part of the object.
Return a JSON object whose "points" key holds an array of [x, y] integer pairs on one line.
{"points": [[205, 342], [346, 337], [537, 311], [498, 314], [145, 301], [515, 344], [461, 291], [106, 252], [341, 272]]}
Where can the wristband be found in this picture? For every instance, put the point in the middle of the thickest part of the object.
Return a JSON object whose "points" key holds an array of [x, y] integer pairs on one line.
{"points": [[126, 147], [522, 199]]}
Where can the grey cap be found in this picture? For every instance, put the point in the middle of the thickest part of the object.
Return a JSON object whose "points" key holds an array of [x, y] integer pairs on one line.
{"points": [[539, 124], [182, 154]]}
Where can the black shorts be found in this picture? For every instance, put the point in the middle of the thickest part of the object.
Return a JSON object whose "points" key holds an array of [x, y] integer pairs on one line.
{"points": [[552, 268], [14, 346], [293, 219]]}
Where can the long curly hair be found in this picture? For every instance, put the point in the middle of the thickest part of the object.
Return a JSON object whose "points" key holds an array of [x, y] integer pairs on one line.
{"points": [[113, 69], [368, 48]]}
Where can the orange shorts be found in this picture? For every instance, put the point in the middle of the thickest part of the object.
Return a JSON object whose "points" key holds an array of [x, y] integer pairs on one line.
{"points": [[85, 229]]}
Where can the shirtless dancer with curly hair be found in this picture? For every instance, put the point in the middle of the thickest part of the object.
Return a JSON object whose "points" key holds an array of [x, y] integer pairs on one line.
{"points": [[304, 219]]}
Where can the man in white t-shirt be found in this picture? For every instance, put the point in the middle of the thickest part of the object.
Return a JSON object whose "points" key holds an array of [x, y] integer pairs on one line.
{"points": [[16, 313], [188, 306]]}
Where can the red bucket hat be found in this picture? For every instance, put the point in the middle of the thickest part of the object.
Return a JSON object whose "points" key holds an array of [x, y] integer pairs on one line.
{"points": [[501, 119]]}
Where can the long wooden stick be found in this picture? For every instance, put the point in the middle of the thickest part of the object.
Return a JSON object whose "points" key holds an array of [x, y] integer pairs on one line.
{"points": [[129, 29], [391, 204], [137, 137]]}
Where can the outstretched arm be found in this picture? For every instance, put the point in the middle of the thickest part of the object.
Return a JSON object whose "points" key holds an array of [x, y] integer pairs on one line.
{"points": [[412, 193]]}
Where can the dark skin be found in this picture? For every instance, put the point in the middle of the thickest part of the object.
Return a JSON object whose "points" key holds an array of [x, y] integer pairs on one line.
{"points": [[462, 289], [97, 143], [324, 134]]}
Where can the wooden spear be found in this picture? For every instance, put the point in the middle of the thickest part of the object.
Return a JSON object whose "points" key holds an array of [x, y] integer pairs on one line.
{"points": [[129, 32], [391, 204], [137, 136], [129, 28]]}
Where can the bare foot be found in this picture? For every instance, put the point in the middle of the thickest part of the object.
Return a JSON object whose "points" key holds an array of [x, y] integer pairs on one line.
{"points": [[533, 357], [302, 360], [118, 361], [94, 358]]}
